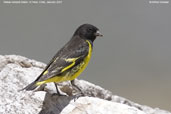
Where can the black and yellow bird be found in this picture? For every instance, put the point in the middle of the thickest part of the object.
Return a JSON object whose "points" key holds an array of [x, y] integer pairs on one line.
{"points": [[70, 60]]}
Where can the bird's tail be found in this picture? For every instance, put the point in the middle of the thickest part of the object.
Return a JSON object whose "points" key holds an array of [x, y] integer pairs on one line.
{"points": [[30, 87]]}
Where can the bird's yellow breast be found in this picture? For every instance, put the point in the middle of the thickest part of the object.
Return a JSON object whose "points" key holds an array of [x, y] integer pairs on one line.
{"points": [[81, 67]]}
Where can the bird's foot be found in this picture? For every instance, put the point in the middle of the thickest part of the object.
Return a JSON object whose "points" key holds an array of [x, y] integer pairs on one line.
{"points": [[78, 96]]}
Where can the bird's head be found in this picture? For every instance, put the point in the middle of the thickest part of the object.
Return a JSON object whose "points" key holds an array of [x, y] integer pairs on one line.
{"points": [[88, 31]]}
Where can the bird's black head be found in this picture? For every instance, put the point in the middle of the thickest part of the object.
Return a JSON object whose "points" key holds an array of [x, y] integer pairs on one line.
{"points": [[87, 31]]}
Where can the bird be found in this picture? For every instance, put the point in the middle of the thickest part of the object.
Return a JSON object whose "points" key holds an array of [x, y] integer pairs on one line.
{"points": [[71, 60]]}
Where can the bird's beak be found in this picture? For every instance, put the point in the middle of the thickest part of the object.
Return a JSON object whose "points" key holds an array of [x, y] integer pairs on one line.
{"points": [[98, 34]]}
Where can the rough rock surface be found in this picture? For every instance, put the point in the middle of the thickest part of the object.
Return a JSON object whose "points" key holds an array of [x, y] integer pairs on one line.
{"points": [[16, 72], [92, 105]]}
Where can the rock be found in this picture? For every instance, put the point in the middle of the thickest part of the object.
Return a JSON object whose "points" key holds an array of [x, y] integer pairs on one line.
{"points": [[14, 76], [92, 105], [17, 71]]}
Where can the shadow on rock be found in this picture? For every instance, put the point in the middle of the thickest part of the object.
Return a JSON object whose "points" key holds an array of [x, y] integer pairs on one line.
{"points": [[53, 103]]}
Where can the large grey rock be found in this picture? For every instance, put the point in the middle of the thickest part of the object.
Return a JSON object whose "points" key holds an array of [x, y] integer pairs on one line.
{"points": [[16, 72], [92, 105]]}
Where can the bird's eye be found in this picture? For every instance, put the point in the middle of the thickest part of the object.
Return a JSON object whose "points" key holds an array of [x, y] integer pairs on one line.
{"points": [[89, 29]]}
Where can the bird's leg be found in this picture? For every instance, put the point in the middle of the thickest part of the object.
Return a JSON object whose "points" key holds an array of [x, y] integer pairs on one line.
{"points": [[73, 84], [57, 90]]}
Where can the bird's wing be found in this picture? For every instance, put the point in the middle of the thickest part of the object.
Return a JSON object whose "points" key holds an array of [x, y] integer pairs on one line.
{"points": [[69, 56]]}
